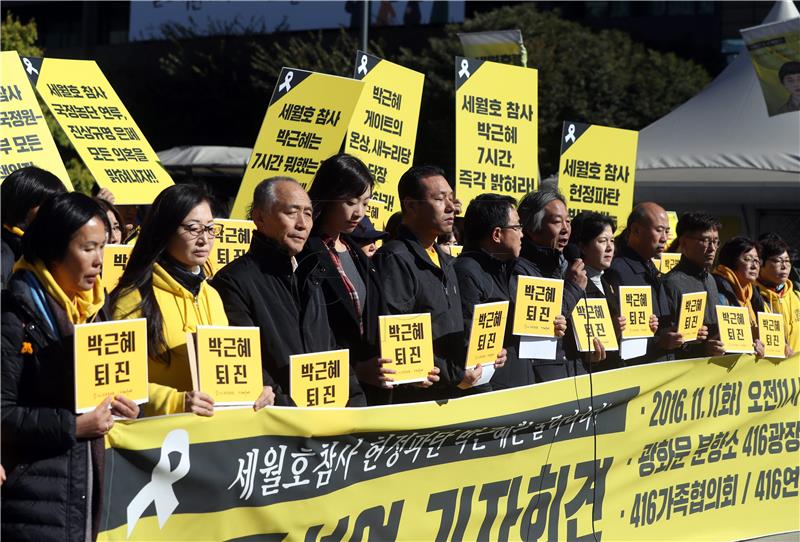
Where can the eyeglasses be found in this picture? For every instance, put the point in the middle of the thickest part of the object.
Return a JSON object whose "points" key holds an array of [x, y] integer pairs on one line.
{"points": [[196, 230], [749, 260], [515, 227], [780, 261], [706, 241]]}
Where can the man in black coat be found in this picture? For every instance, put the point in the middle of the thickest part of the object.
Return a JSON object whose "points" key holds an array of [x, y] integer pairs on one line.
{"points": [[417, 277], [644, 238], [268, 288]]}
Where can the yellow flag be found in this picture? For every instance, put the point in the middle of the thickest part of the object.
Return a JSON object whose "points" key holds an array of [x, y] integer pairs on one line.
{"points": [[407, 340], [667, 261], [597, 169], [25, 139], [305, 123], [734, 329], [537, 305], [227, 363], [690, 316], [487, 333], [110, 359], [591, 320], [770, 331], [232, 241], [321, 380], [636, 305], [101, 129], [383, 128], [115, 259], [496, 129]]}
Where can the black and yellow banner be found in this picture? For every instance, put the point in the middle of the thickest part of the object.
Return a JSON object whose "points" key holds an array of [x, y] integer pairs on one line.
{"points": [[703, 449]]}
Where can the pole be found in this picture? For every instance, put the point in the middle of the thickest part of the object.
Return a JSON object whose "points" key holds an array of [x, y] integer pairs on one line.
{"points": [[364, 25]]}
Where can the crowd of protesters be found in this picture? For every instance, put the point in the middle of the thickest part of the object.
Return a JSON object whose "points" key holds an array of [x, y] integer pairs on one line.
{"points": [[314, 280]]}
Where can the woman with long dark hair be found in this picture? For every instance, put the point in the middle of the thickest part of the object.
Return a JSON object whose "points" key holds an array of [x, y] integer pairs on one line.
{"points": [[54, 458], [340, 194], [164, 282]]}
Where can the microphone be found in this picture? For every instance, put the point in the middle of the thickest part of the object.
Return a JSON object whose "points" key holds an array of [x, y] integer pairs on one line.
{"points": [[572, 253]]}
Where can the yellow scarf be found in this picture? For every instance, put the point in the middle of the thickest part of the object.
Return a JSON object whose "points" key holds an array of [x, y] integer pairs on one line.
{"points": [[743, 293], [85, 305], [15, 230]]}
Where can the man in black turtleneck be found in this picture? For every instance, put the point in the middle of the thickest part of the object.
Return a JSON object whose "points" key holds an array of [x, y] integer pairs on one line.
{"points": [[268, 288]]}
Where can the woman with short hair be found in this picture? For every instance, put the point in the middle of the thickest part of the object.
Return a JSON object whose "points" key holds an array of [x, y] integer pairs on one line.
{"points": [[735, 275]]}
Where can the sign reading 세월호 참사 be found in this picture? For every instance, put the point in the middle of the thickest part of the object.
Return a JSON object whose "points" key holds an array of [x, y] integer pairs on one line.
{"points": [[734, 329], [770, 332], [383, 128], [232, 241], [110, 359], [487, 333], [321, 379], [690, 315], [25, 139], [496, 129], [597, 169], [226, 361], [537, 305], [407, 340], [100, 128], [636, 305], [115, 259], [591, 320], [305, 123]]}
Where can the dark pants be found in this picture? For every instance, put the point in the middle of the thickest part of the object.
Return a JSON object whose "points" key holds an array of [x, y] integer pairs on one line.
{"points": [[545, 372]]}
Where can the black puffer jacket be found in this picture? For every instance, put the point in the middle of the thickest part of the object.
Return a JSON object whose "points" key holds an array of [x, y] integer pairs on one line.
{"points": [[11, 252], [47, 495]]}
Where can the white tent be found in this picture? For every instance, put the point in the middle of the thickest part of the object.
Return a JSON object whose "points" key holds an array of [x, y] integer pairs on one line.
{"points": [[721, 151]]}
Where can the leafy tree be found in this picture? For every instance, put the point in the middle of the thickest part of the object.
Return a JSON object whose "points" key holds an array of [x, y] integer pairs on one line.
{"points": [[23, 37]]}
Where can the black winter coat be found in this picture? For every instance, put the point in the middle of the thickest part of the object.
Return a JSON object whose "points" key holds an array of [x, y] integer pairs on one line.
{"points": [[11, 252], [47, 494], [260, 289]]}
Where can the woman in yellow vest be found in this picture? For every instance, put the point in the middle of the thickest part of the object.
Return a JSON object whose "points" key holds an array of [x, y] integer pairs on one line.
{"points": [[775, 287], [164, 282]]}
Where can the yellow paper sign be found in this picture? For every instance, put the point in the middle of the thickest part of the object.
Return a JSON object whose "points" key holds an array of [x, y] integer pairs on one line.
{"points": [[734, 329], [383, 128], [672, 218], [115, 259], [690, 316], [667, 261], [591, 320], [229, 364], [636, 305], [597, 169], [26, 139], [321, 380], [537, 305], [455, 250], [110, 359], [496, 129], [305, 123], [770, 331], [101, 129], [232, 242], [407, 340], [487, 333]]}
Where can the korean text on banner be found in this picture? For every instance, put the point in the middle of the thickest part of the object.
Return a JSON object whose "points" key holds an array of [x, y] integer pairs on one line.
{"points": [[229, 363], [636, 305], [383, 128], [597, 169], [101, 129], [26, 139], [115, 259], [734, 329], [321, 379], [770, 331], [305, 123], [690, 315], [232, 241], [110, 359], [591, 320], [487, 333], [407, 340], [537, 305], [666, 261], [496, 129]]}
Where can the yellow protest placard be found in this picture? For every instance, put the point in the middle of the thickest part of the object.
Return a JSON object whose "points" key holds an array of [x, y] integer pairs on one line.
{"points": [[667, 261], [321, 380], [496, 129], [305, 123], [636, 305], [770, 331], [407, 340], [383, 128], [597, 169], [115, 259], [227, 363], [537, 305], [455, 250], [26, 139], [232, 241], [734, 329], [773, 48], [110, 359], [591, 320], [100, 128], [672, 218], [690, 315], [487, 333]]}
